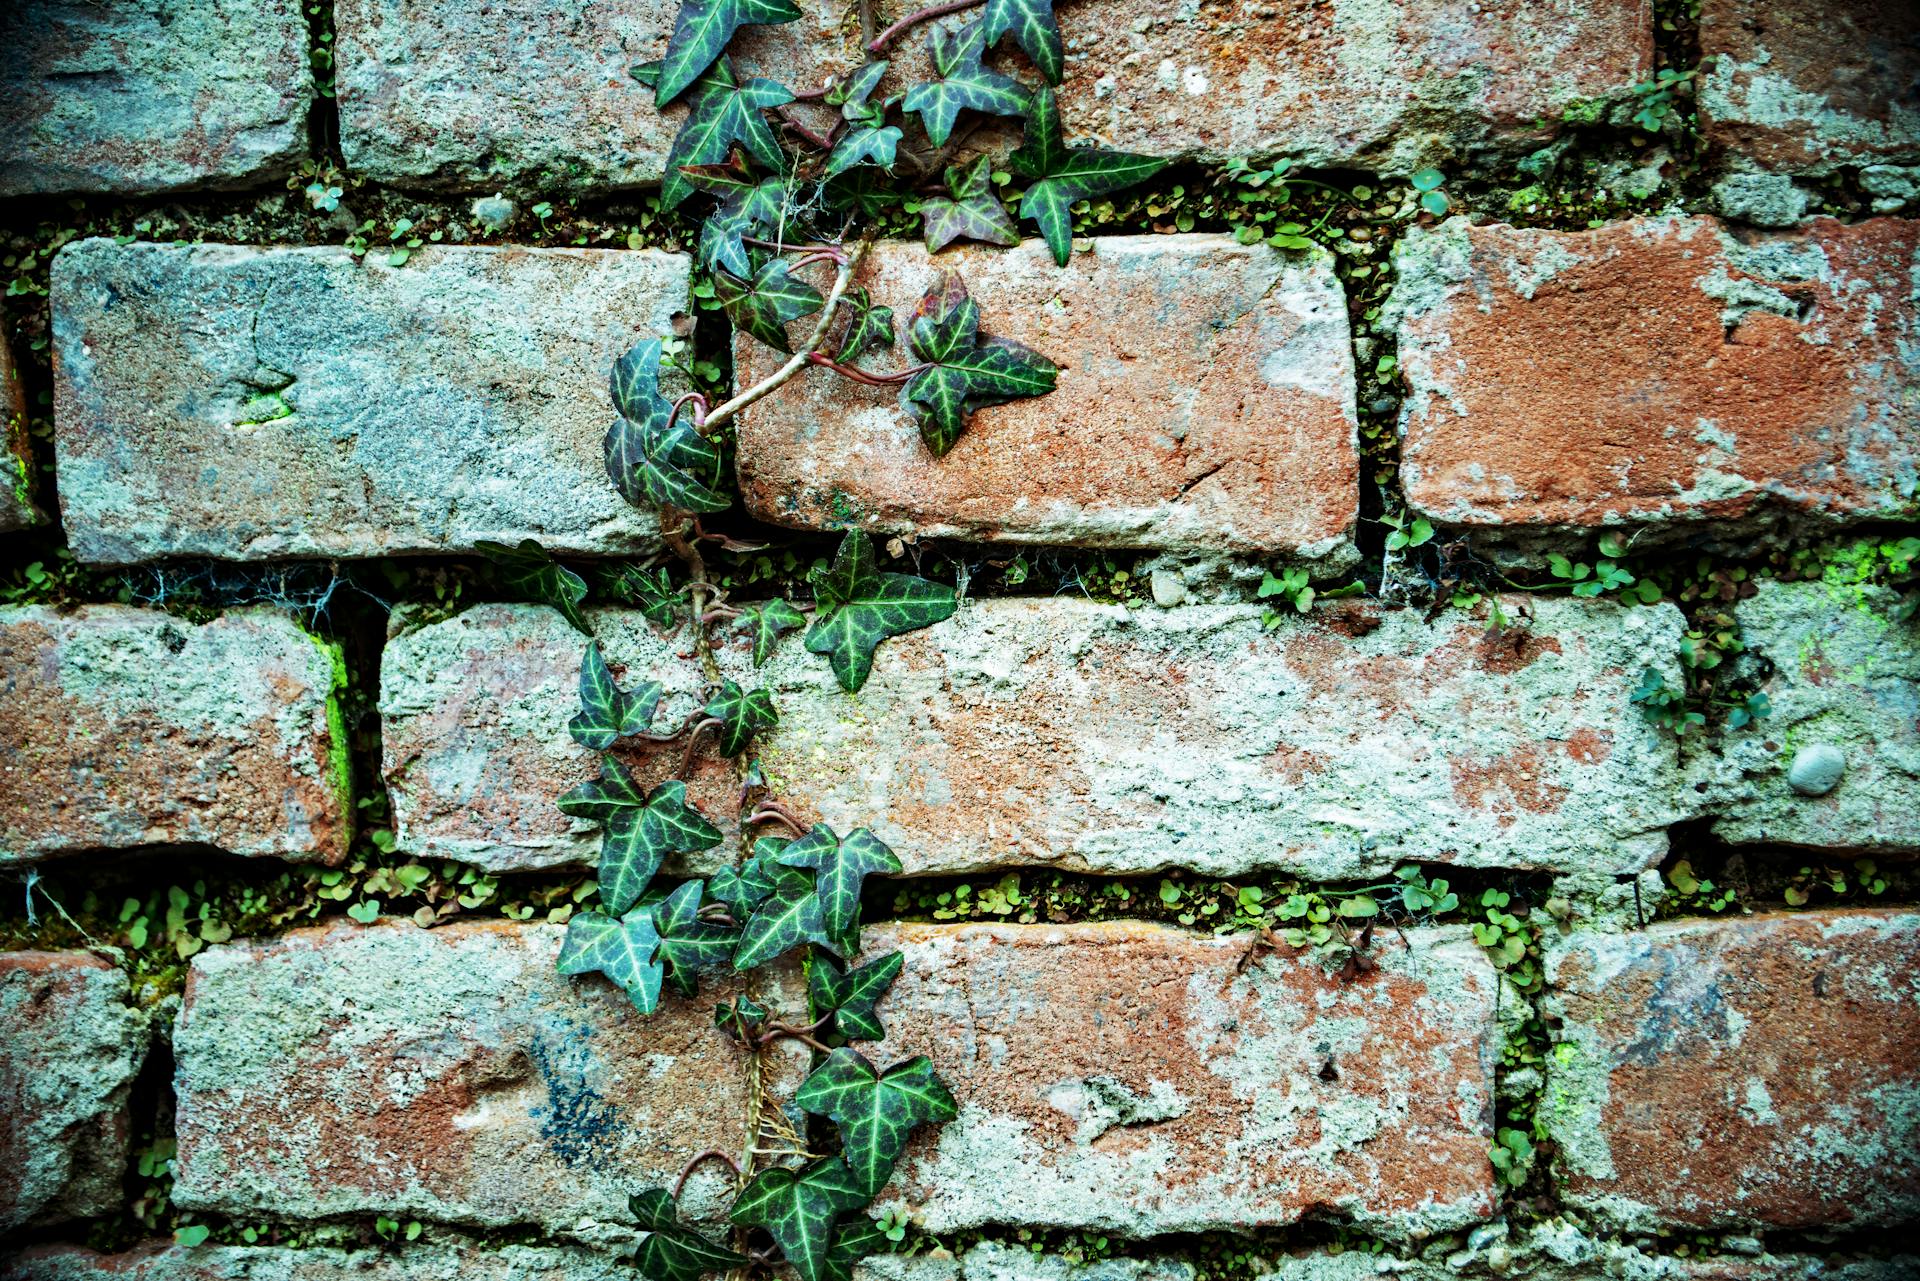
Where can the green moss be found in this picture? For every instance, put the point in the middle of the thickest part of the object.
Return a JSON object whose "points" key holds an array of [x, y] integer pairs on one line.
{"points": [[339, 751]]}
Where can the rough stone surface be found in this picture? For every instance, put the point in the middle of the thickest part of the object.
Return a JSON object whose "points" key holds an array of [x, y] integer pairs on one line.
{"points": [[1787, 372], [16, 457], [213, 400], [1337, 744], [1807, 86], [1136, 1078], [1763, 199], [416, 1261], [123, 727], [474, 716], [151, 95], [1205, 402], [69, 1049], [1843, 672], [993, 1261], [451, 1074], [1760, 1072]]}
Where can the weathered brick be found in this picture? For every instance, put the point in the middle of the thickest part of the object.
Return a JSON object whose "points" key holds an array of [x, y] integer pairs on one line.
{"points": [[151, 95], [1083, 736], [451, 1074], [1842, 673], [470, 96], [214, 400], [417, 1261], [474, 714], [16, 457], [1556, 1250], [1804, 86], [69, 1048], [1659, 371], [1205, 402], [123, 727], [1137, 1078], [1758, 1072]]}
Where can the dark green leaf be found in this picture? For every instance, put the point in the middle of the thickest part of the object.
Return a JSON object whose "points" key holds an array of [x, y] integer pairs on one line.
{"points": [[1034, 30], [672, 1252], [863, 146], [648, 460], [700, 36], [785, 919], [1061, 174], [958, 375], [606, 711], [640, 831], [530, 572], [759, 210], [865, 189], [764, 306], [741, 714], [723, 113], [798, 1209], [850, 995], [841, 868], [974, 213], [741, 1018], [857, 607], [853, 1241], [660, 602], [962, 82], [743, 888], [622, 949], [687, 943], [850, 92], [875, 1111], [767, 621]]}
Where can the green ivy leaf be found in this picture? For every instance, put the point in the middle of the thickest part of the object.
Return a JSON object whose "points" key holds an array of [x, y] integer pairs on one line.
{"points": [[798, 1209], [640, 831], [785, 919], [1061, 174], [865, 145], [875, 1111], [672, 1252], [852, 1242], [868, 328], [763, 306], [742, 1017], [850, 995], [745, 887], [1034, 30], [960, 371], [840, 869], [648, 461], [622, 949], [687, 943], [962, 82], [660, 602], [530, 572], [741, 714], [766, 622], [865, 189], [857, 607], [722, 113], [606, 712], [974, 212], [851, 91], [700, 36]]}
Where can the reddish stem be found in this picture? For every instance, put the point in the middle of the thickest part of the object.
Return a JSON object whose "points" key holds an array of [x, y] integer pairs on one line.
{"points": [[699, 409], [680, 1184], [861, 376], [887, 37], [824, 143]]}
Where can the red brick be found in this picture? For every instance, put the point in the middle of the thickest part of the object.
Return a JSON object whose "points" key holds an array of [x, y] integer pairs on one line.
{"points": [[1135, 1078], [1760, 1072], [425, 1260], [1659, 371], [131, 727], [1205, 401]]}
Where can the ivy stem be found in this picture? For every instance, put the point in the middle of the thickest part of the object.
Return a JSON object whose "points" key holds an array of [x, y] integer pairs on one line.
{"points": [[825, 361], [798, 361], [793, 122], [693, 741], [778, 809], [771, 816], [803, 1035], [711, 1154], [719, 612], [699, 403], [887, 37]]}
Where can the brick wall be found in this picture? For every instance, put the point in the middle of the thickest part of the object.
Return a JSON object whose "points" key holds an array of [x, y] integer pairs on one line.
{"points": [[1639, 409]]}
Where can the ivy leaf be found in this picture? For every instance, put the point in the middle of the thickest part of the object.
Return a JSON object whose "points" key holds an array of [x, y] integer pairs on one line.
{"points": [[840, 868], [850, 92], [767, 621], [1061, 174], [785, 919], [721, 113], [687, 943], [760, 209], [741, 716], [530, 572], [857, 607], [798, 1209], [640, 831], [974, 213], [741, 1018], [700, 36], [853, 1242], [647, 460], [745, 887], [672, 1252], [1034, 30], [653, 591], [875, 1111], [606, 712], [960, 372], [962, 82], [850, 995], [863, 146], [764, 306], [622, 949]]}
